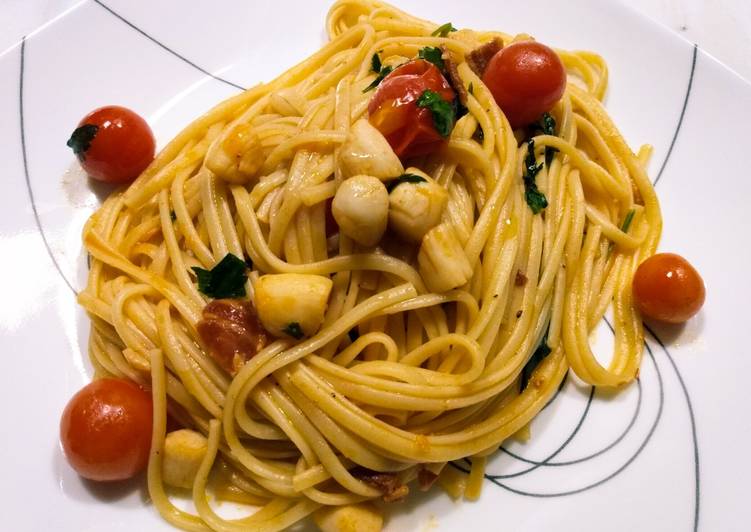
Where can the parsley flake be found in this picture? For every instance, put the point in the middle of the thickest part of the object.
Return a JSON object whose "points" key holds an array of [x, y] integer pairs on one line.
{"points": [[443, 30], [375, 63], [546, 126], [385, 71], [535, 199], [294, 330], [627, 220], [405, 178], [226, 279], [444, 113], [432, 54], [80, 140]]}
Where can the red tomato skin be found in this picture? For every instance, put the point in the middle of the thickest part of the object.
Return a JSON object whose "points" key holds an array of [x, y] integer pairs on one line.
{"points": [[393, 108], [105, 430], [526, 79], [121, 149], [667, 288]]}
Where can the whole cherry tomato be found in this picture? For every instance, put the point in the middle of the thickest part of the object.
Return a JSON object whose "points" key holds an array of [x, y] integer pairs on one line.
{"points": [[113, 144], [526, 79], [393, 108], [105, 430], [667, 288]]}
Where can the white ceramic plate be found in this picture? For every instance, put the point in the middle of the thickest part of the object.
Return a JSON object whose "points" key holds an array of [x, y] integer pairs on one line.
{"points": [[668, 453]]}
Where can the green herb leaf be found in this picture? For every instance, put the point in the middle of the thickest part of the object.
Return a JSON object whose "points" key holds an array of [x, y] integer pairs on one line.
{"points": [[294, 330], [375, 63], [432, 54], [405, 178], [80, 140], [444, 113], [548, 127], [535, 199], [443, 30], [627, 220], [385, 71], [226, 279], [540, 353]]}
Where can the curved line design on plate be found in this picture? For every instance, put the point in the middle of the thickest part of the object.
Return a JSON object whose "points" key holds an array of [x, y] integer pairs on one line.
{"points": [[683, 113], [496, 479], [167, 48], [684, 388], [549, 463], [29, 190]]}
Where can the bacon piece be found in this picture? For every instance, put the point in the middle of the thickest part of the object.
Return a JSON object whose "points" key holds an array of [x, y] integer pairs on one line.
{"points": [[520, 279], [479, 58], [232, 333], [425, 479], [453, 74], [387, 483]]}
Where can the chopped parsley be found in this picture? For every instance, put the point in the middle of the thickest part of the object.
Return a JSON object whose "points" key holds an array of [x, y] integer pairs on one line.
{"points": [[294, 330], [443, 30], [535, 199], [405, 178], [444, 113], [432, 54], [375, 63], [226, 279], [382, 73], [540, 353], [627, 220], [80, 140], [548, 127]]}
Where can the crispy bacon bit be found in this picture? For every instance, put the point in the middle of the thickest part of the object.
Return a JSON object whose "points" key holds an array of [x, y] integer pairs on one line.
{"points": [[232, 333], [479, 58], [387, 483], [521, 279], [425, 479], [454, 78]]}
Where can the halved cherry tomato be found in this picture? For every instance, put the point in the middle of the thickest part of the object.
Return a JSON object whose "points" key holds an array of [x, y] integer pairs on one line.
{"points": [[667, 288], [113, 144], [526, 79], [106, 430], [394, 112]]}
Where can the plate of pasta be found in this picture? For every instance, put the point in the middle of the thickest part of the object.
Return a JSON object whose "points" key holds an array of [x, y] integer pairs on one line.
{"points": [[352, 265]]}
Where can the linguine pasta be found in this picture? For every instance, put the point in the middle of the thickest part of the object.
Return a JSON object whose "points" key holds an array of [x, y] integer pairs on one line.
{"points": [[431, 376]]}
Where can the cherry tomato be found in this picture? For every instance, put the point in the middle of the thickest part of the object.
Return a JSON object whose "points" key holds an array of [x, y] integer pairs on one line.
{"points": [[667, 288], [526, 79], [394, 112], [106, 430], [113, 144]]}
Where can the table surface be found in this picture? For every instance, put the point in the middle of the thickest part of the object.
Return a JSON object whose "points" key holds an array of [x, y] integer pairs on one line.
{"points": [[720, 27]]}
